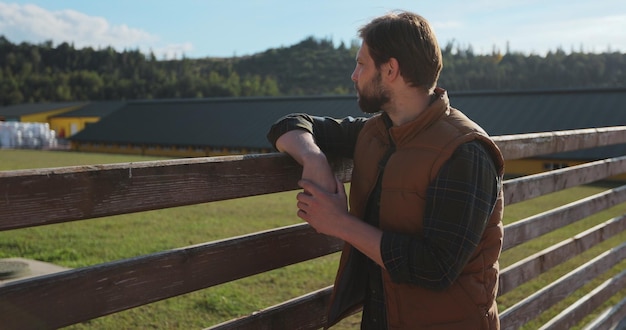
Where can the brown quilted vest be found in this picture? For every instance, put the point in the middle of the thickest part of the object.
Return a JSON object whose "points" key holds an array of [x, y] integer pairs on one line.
{"points": [[422, 147]]}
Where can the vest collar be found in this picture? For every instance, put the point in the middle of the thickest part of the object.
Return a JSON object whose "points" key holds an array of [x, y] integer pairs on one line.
{"points": [[440, 106]]}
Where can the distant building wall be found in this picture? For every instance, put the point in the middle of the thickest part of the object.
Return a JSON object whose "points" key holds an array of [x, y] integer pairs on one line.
{"points": [[520, 167], [68, 126], [166, 151]]}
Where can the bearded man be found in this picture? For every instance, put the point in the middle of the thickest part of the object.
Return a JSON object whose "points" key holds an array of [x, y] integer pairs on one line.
{"points": [[423, 232]]}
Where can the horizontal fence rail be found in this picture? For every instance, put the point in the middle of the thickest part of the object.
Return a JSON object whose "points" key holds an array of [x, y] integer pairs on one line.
{"points": [[510, 278], [308, 311], [610, 318], [528, 308], [585, 305], [524, 270], [47, 196], [112, 287], [531, 186], [545, 222], [545, 143]]}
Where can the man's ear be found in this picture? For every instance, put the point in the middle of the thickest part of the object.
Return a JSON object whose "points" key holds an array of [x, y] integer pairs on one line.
{"points": [[392, 68]]}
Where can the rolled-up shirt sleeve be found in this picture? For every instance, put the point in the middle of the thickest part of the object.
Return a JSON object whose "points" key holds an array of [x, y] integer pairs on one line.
{"points": [[333, 136], [459, 203]]}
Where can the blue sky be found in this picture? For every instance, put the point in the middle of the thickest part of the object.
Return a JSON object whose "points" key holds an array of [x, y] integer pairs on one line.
{"points": [[218, 28]]}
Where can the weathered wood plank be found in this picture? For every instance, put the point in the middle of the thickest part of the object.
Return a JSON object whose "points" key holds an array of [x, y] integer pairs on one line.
{"points": [[81, 294], [587, 304], [45, 196], [545, 143], [510, 278], [529, 308], [614, 318], [531, 186], [532, 227], [305, 312], [528, 268]]}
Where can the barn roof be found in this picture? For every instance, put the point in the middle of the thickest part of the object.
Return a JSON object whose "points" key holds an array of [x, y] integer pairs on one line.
{"points": [[18, 110], [243, 122], [501, 113], [219, 122], [94, 109]]}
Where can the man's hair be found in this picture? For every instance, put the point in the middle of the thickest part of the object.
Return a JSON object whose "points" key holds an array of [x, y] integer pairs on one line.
{"points": [[408, 38]]}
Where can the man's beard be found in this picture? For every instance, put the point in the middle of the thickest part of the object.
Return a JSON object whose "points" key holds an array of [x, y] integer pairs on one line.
{"points": [[373, 96]]}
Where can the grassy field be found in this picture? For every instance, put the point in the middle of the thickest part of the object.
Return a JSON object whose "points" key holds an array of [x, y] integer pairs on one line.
{"points": [[90, 242]]}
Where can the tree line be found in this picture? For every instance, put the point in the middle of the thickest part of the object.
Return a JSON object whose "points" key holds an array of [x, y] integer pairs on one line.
{"points": [[31, 73]]}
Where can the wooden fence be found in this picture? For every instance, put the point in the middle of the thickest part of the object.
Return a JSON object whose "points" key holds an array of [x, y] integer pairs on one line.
{"points": [[48, 196]]}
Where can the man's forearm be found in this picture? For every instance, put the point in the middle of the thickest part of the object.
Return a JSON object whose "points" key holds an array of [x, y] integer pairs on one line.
{"points": [[301, 146], [362, 236]]}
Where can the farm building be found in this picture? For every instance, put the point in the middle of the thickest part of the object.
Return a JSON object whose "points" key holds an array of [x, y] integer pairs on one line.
{"points": [[201, 127], [27, 125], [65, 119], [71, 122], [505, 113], [225, 126], [222, 126], [43, 125], [36, 112]]}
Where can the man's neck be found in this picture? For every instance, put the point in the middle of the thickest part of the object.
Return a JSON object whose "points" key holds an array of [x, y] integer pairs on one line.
{"points": [[406, 106]]}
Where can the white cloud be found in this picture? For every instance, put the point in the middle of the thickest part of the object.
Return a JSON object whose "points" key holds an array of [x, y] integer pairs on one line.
{"points": [[596, 33], [447, 25], [31, 23], [173, 51], [592, 34], [534, 26]]}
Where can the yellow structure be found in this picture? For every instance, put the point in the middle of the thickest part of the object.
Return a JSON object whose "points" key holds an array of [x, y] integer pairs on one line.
{"points": [[42, 117], [530, 166], [36, 113], [68, 126]]}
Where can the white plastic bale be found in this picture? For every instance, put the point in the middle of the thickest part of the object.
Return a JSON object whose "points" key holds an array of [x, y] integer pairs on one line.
{"points": [[26, 135]]}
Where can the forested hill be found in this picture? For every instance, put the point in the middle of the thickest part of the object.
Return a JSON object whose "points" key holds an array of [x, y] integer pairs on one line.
{"points": [[44, 72]]}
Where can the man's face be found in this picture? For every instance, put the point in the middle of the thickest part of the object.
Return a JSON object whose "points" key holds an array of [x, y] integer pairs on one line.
{"points": [[371, 93]]}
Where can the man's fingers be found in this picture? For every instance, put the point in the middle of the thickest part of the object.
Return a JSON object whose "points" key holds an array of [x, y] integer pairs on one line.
{"points": [[301, 205], [304, 197], [308, 186], [301, 214]]}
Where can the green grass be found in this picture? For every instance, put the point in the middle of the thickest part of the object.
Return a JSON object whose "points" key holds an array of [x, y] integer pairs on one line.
{"points": [[89, 242], [27, 159]]}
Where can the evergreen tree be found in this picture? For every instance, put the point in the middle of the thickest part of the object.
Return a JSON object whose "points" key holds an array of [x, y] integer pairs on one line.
{"points": [[46, 73]]}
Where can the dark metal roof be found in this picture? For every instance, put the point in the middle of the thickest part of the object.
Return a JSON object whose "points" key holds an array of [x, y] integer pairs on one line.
{"points": [[19, 110], [94, 109], [501, 113], [243, 122], [218, 122]]}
